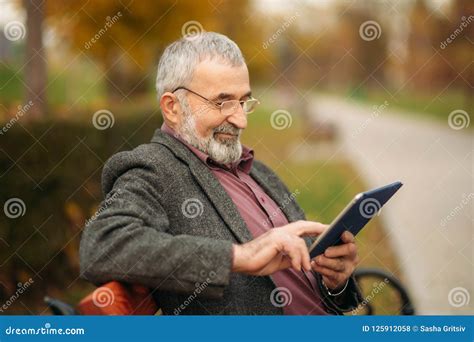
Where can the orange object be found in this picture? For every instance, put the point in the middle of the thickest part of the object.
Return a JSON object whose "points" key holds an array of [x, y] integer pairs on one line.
{"points": [[116, 298]]}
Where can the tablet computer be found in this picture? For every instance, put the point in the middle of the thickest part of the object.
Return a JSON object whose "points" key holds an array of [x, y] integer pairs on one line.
{"points": [[354, 217]]}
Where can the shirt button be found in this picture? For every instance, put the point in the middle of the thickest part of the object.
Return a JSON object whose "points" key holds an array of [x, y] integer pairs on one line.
{"points": [[263, 199]]}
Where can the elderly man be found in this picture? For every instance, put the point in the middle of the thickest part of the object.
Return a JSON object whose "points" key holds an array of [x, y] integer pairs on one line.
{"points": [[196, 219]]}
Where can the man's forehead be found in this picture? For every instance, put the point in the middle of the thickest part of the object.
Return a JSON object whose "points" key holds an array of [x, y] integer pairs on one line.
{"points": [[215, 77]]}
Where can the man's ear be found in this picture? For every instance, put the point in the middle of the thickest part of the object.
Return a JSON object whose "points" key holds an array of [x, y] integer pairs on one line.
{"points": [[171, 110]]}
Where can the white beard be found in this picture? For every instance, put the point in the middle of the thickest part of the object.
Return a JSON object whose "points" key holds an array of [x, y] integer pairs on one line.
{"points": [[225, 152]]}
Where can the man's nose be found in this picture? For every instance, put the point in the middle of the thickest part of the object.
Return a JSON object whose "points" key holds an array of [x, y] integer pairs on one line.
{"points": [[238, 118]]}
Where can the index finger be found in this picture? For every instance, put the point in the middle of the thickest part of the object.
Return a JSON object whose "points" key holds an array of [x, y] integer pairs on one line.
{"points": [[309, 228]]}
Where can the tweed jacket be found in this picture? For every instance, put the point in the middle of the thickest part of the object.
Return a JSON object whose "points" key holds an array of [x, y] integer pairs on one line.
{"points": [[168, 224]]}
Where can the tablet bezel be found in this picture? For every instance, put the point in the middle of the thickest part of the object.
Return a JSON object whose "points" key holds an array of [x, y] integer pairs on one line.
{"points": [[395, 186]]}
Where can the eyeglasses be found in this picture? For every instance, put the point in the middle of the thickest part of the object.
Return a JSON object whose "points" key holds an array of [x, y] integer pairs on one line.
{"points": [[229, 107]]}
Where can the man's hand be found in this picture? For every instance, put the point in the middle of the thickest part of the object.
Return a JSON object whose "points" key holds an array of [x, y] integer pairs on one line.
{"points": [[277, 249], [338, 262]]}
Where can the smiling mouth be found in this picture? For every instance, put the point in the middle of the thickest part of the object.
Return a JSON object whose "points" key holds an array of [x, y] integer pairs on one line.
{"points": [[226, 135]]}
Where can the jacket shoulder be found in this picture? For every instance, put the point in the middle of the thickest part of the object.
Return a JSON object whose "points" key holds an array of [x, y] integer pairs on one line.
{"points": [[151, 157]]}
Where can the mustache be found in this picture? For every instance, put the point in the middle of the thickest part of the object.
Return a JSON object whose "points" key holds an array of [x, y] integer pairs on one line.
{"points": [[228, 129]]}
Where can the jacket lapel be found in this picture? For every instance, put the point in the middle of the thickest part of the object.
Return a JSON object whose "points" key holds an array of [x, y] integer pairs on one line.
{"points": [[210, 185]]}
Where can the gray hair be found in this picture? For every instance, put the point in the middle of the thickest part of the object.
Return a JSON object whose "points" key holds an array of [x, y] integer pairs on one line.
{"points": [[177, 64]]}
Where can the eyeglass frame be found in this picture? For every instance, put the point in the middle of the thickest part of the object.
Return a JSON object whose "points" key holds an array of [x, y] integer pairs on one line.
{"points": [[217, 104]]}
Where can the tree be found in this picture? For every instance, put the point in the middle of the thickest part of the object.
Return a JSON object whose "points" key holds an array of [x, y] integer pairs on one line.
{"points": [[35, 65], [126, 38]]}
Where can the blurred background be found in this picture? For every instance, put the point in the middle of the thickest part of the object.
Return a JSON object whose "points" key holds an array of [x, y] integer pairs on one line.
{"points": [[355, 94]]}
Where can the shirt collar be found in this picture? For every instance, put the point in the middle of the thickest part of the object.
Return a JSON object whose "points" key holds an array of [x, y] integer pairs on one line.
{"points": [[244, 163]]}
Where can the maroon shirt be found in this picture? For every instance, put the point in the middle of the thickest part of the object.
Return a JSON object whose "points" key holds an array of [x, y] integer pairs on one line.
{"points": [[261, 213]]}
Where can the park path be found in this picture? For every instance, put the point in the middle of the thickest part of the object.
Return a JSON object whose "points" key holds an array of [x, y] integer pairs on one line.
{"points": [[430, 220]]}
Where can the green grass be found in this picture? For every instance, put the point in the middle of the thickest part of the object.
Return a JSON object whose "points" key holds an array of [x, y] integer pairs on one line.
{"points": [[11, 86], [67, 86]]}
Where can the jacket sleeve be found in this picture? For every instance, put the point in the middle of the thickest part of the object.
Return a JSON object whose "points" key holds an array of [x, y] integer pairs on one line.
{"points": [[127, 240]]}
